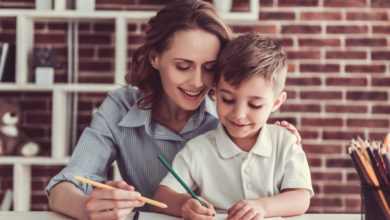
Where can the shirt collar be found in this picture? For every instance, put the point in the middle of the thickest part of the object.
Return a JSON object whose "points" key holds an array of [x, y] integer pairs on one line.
{"points": [[227, 148]]}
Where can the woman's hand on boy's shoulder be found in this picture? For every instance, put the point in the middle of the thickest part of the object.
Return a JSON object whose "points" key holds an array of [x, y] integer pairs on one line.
{"points": [[192, 209], [246, 210], [292, 129], [113, 203]]}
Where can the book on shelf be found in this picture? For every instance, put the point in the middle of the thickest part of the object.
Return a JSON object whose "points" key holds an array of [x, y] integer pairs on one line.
{"points": [[7, 62]]}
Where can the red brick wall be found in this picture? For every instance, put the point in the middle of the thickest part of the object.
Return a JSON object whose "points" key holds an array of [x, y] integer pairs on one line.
{"points": [[338, 81]]}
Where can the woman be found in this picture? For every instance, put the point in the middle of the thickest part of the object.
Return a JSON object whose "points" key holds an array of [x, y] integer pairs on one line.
{"points": [[174, 71]]}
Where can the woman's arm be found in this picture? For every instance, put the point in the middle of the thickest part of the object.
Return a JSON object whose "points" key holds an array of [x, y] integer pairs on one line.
{"points": [[64, 192], [100, 204]]}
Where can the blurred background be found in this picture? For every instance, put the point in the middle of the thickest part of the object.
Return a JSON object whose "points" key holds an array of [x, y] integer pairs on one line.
{"points": [[338, 81]]}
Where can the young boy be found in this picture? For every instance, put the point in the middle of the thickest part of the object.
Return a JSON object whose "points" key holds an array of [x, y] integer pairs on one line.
{"points": [[246, 167]]}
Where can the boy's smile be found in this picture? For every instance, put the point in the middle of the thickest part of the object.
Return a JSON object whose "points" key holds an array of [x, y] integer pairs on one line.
{"points": [[244, 110]]}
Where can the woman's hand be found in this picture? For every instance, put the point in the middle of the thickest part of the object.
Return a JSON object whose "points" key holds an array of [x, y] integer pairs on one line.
{"points": [[291, 128], [113, 203], [192, 209], [246, 210]]}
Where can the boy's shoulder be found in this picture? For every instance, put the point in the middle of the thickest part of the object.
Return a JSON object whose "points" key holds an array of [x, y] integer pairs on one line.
{"points": [[280, 133], [202, 141]]}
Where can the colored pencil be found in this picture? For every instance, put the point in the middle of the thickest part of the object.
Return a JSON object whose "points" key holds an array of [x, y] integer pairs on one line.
{"points": [[104, 186]]}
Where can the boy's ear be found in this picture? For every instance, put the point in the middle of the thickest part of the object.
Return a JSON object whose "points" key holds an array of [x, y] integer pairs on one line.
{"points": [[154, 59], [279, 101]]}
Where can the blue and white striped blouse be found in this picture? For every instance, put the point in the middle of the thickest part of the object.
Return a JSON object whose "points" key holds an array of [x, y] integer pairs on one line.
{"points": [[121, 131]]}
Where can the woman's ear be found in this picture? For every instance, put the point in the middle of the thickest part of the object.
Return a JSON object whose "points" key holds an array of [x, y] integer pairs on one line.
{"points": [[154, 59], [279, 101]]}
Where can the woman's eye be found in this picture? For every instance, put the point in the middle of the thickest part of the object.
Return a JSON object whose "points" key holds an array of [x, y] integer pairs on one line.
{"points": [[255, 106], [209, 68], [182, 67], [228, 101]]}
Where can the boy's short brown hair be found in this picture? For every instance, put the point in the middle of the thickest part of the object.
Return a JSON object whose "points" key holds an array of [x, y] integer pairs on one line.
{"points": [[252, 54]]}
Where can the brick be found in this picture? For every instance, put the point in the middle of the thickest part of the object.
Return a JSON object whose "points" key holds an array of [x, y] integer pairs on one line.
{"points": [[346, 55], [133, 39], [37, 118], [381, 29], [380, 81], [353, 177], [266, 29], [8, 24], [34, 133], [310, 42], [380, 55], [377, 136], [341, 135], [380, 4], [353, 203], [366, 42], [309, 134], [266, 3], [346, 108], [321, 16], [365, 68], [303, 55], [266, 15], [106, 52], [290, 120], [86, 52], [57, 26], [325, 202], [106, 27], [6, 171], [369, 123], [50, 38], [99, 66], [321, 148], [39, 199], [7, 37], [367, 16], [345, 3], [301, 29], [38, 185], [322, 122], [319, 95], [319, 68], [297, 3], [94, 39], [290, 68], [344, 81], [291, 94], [83, 27], [346, 189], [94, 79], [314, 162], [347, 29], [45, 171], [131, 27], [300, 81], [371, 96], [339, 163], [300, 108], [284, 42], [326, 176], [380, 109]]}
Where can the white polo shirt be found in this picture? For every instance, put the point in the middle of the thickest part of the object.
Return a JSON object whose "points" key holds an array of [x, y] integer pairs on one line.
{"points": [[223, 174]]}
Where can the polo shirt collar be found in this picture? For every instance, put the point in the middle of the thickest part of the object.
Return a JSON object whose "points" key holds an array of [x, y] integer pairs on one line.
{"points": [[227, 148]]}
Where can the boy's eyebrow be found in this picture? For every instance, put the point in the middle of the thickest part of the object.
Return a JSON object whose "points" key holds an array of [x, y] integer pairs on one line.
{"points": [[251, 97]]}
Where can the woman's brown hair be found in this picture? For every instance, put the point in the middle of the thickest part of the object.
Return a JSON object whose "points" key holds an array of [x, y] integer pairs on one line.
{"points": [[176, 16]]}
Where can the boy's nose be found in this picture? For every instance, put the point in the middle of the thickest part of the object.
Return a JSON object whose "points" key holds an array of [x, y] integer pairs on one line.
{"points": [[239, 111]]}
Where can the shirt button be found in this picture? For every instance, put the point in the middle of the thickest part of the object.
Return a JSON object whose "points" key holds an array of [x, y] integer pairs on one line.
{"points": [[249, 186]]}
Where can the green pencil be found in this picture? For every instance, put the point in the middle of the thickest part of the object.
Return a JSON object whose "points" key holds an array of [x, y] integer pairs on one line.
{"points": [[180, 180]]}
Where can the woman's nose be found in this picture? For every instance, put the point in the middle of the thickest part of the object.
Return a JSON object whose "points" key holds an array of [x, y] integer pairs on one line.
{"points": [[196, 78]]}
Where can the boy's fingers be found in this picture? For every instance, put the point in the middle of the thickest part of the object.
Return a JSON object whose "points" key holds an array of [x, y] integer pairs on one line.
{"points": [[277, 123], [232, 210], [199, 209]]}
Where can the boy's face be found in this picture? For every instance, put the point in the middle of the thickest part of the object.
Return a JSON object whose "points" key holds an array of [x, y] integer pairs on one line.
{"points": [[244, 110]]}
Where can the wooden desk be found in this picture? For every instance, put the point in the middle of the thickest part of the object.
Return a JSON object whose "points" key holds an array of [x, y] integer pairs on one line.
{"points": [[55, 216]]}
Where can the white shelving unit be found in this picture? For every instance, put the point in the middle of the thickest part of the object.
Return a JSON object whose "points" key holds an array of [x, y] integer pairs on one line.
{"points": [[24, 44]]}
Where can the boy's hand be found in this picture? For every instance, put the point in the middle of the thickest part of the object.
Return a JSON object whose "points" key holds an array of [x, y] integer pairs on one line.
{"points": [[291, 128], [192, 209], [113, 203], [246, 210]]}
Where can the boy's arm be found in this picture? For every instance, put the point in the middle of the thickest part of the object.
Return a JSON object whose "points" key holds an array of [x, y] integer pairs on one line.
{"points": [[288, 203], [173, 199]]}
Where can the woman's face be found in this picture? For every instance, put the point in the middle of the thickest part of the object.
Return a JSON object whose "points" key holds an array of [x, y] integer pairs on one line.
{"points": [[187, 68]]}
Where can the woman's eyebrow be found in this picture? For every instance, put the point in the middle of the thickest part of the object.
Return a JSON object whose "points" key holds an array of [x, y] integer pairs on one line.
{"points": [[182, 59]]}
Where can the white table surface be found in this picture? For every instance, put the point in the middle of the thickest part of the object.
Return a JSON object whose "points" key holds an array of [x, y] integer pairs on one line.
{"points": [[152, 216]]}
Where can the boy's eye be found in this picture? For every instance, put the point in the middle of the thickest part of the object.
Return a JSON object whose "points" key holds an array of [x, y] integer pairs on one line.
{"points": [[255, 106], [228, 101]]}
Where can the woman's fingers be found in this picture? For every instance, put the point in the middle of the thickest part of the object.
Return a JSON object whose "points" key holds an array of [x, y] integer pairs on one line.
{"points": [[116, 194], [107, 204], [120, 185]]}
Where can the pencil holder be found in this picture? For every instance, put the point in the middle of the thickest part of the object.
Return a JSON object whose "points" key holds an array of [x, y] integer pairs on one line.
{"points": [[374, 202]]}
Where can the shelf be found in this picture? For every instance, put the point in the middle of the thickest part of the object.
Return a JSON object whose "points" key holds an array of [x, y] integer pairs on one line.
{"points": [[73, 15], [67, 87], [12, 160]]}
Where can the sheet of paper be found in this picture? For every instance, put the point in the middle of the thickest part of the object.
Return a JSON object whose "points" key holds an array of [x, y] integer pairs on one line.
{"points": [[153, 216]]}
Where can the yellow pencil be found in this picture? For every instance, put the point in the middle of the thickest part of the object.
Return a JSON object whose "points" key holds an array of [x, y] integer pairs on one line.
{"points": [[104, 186]]}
